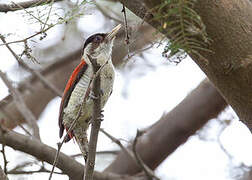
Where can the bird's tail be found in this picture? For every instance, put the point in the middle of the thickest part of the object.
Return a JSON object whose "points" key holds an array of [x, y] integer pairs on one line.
{"points": [[82, 141]]}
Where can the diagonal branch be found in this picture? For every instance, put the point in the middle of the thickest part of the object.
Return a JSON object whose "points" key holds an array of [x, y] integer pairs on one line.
{"points": [[118, 142], [25, 4], [58, 73], [34, 72], [19, 101], [149, 173], [132, 154], [173, 129], [46, 153], [231, 75]]}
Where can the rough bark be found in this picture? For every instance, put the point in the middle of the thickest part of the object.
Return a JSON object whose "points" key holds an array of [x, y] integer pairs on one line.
{"points": [[173, 129], [178, 131], [229, 25]]}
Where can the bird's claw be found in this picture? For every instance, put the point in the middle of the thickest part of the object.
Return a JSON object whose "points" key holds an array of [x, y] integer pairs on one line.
{"points": [[101, 117], [92, 95], [85, 157], [101, 92]]}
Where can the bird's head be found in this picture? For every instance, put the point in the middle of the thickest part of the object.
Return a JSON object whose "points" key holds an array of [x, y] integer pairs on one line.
{"points": [[100, 44]]}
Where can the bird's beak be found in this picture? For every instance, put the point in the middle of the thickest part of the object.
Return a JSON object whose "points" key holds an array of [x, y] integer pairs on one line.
{"points": [[114, 31]]}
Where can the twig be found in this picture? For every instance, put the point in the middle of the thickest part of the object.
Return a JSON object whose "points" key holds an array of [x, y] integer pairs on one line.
{"points": [[16, 172], [69, 130], [64, 139], [2, 110], [140, 51], [18, 169], [2, 175], [34, 72], [24, 4], [17, 97], [224, 124], [149, 173], [114, 152], [106, 14], [126, 29], [115, 140], [25, 130], [23, 165], [4, 158], [136, 158], [29, 37], [45, 82], [96, 122], [75, 120], [43, 30], [28, 12], [46, 153], [48, 15]]}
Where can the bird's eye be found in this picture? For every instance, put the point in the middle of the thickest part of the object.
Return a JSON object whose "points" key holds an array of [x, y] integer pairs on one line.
{"points": [[98, 39]]}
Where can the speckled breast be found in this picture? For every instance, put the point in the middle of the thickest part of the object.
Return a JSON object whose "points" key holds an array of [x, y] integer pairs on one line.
{"points": [[77, 96]]}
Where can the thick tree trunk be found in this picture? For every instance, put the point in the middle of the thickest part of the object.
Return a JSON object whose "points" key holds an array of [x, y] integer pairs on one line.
{"points": [[229, 25]]}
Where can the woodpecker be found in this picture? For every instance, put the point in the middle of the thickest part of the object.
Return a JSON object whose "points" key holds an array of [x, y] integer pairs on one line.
{"points": [[97, 47]]}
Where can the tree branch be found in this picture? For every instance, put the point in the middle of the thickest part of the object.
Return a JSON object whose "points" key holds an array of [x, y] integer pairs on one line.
{"points": [[95, 75], [58, 73], [34, 72], [96, 119], [148, 172], [177, 126], [127, 151], [41, 170], [2, 175], [25, 4], [46, 153], [4, 158], [230, 66], [27, 114], [111, 152]]}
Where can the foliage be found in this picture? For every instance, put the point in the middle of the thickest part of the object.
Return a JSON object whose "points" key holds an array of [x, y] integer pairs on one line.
{"points": [[50, 15], [181, 23], [45, 18]]}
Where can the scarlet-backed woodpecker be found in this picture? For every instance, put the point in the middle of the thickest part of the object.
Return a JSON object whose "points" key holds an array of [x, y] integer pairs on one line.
{"points": [[97, 47]]}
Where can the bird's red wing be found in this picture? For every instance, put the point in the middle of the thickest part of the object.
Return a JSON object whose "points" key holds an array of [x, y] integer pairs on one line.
{"points": [[74, 79]]}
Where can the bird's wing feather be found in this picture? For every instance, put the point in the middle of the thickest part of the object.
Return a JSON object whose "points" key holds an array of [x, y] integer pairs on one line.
{"points": [[74, 79]]}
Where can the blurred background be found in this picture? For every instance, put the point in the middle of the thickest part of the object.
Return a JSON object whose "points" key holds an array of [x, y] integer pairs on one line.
{"points": [[48, 39]]}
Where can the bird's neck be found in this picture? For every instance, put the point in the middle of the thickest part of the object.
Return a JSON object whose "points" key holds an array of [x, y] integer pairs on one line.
{"points": [[101, 59]]}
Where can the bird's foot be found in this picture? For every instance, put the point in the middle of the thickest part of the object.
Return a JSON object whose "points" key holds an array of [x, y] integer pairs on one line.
{"points": [[101, 92], [92, 95], [101, 117], [85, 157]]}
